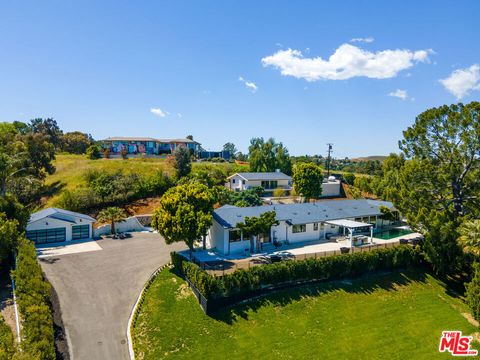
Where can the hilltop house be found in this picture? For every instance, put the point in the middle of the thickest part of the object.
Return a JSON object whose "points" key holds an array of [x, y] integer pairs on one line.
{"points": [[297, 223], [149, 146], [270, 181], [54, 225]]}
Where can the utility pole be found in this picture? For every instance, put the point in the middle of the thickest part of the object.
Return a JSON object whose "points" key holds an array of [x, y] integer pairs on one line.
{"points": [[329, 151]]}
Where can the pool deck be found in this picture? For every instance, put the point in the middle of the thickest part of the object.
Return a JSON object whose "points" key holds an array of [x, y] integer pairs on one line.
{"points": [[297, 250]]}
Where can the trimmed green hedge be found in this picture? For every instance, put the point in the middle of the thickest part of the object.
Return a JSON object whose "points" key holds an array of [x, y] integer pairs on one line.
{"points": [[243, 282], [33, 298], [7, 343]]}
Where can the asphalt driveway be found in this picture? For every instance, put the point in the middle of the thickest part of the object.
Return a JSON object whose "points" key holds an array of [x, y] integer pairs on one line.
{"points": [[98, 289]]}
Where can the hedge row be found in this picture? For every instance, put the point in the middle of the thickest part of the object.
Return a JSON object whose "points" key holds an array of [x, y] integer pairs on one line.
{"points": [[7, 344], [243, 282], [33, 298]]}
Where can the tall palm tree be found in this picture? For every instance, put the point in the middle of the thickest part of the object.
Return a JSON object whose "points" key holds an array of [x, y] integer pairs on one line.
{"points": [[112, 215], [469, 238]]}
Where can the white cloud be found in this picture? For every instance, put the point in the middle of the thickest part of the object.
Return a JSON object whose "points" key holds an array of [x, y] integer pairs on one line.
{"points": [[249, 84], [363, 40], [159, 112], [179, 115], [347, 61], [462, 81], [401, 94]]}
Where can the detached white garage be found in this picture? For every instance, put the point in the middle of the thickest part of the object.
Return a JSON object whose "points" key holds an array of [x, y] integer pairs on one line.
{"points": [[57, 225]]}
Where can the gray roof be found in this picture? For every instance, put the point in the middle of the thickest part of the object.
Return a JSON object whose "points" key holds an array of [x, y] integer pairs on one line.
{"points": [[178, 141], [262, 176], [59, 214], [229, 216], [129, 138], [139, 138]]}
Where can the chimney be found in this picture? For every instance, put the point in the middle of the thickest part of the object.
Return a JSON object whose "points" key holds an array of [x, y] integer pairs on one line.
{"points": [[277, 170]]}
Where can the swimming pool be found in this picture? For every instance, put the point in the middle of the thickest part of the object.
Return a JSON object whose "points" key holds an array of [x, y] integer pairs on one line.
{"points": [[392, 233]]}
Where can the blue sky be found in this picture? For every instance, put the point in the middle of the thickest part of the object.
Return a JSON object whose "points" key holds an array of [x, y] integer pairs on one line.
{"points": [[103, 66]]}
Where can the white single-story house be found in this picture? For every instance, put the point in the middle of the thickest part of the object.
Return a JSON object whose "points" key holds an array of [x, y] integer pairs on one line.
{"points": [[296, 223], [54, 225], [269, 181]]}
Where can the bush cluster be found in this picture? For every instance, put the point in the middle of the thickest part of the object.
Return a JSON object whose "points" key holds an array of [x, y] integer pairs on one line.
{"points": [[113, 188], [33, 298], [7, 344], [473, 292], [242, 282]]}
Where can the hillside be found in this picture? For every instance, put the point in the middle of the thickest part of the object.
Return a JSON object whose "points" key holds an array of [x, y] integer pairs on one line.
{"points": [[370, 158], [71, 169]]}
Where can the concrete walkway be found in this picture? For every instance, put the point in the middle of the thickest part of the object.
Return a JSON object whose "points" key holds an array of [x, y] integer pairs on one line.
{"points": [[97, 290]]}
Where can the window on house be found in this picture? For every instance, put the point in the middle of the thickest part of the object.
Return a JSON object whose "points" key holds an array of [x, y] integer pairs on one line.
{"points": [[315, 226], [234, 235], [233, 181], [322, 226], [299, 228]]}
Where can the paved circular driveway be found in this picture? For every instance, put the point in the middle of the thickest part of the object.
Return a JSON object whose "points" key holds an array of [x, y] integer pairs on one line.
{"points": [[98, 289]]}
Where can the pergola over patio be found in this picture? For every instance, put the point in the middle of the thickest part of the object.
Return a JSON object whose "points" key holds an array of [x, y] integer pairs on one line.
{"points": [[351, 225]]}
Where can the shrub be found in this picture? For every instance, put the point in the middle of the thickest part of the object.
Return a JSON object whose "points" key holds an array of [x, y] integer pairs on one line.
{"points": [[94, 152], [279, 192], [473, 292], [349, 178], [243, 282], [33, 300], [7, 344], [80, 200]]}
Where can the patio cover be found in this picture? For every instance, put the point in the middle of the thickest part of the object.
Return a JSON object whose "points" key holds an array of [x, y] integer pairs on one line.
{"points": [[348, 223]]}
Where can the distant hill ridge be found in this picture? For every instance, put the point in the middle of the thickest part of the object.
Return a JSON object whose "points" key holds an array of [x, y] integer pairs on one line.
{"points": [[371, 158]]}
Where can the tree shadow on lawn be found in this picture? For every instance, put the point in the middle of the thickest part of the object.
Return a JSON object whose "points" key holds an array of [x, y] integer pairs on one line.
{"points": [[388, 281], [52, 189]]}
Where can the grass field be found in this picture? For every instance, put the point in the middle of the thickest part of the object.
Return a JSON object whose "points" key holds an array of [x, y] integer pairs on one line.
{"points": [[393, 316]]}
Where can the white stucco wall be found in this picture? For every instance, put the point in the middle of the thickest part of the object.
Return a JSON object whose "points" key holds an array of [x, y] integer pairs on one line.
{"points": [[130, 224], [217, 238], [330, 189]]}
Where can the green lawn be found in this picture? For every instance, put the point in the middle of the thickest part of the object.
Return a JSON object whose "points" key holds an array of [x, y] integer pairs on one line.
{"points": [[394, 316]]}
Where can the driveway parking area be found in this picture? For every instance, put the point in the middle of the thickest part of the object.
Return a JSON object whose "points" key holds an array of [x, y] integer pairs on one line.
{"points": [[97, 290]]}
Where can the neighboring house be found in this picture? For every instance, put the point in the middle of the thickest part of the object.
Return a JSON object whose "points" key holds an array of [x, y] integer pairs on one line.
{"points": [[297, 223], [269, 181], [54, 225], [149, 146]]}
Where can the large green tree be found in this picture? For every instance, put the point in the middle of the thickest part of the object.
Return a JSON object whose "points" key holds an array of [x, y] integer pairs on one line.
{"points": [[25, 160], [9, 236], [469, 238], [184, 214], [76, 142], [183, 161], [231, 148], [267, 156], [440, 182], [307, 180], [49, 128], [257, 225]]}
